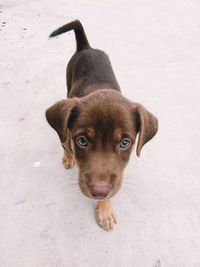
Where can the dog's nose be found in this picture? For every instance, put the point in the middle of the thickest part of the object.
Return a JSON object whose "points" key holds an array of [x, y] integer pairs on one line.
{"points": [[100, 190]]}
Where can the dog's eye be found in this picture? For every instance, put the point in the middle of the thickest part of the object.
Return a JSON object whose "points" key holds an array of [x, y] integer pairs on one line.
{"points": [[125, 143], [82, 141]]}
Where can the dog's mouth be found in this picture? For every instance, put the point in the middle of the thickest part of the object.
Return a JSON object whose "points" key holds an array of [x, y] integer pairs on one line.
{"points": [[98, 197]]}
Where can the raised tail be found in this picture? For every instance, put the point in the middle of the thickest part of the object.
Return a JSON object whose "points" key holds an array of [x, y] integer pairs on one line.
{"points": [[81, 38]]}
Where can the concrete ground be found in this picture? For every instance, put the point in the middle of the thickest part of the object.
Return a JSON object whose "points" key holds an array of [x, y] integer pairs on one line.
{"points": [[45, 221]]}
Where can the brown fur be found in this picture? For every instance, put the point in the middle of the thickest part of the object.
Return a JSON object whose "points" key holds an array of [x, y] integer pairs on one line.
{"points": [[96, 111]]}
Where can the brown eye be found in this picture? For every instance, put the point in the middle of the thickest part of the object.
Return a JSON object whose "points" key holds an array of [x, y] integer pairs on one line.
{"points": [[82, 141], [125, 143]]}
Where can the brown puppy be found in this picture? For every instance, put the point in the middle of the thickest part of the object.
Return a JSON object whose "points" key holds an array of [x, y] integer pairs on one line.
{"points": [[96, 125]]}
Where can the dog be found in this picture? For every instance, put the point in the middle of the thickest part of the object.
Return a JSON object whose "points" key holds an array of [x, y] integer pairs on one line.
{"points": [[97, 126]]}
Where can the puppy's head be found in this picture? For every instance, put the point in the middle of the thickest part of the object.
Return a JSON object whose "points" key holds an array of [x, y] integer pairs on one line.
{"points": [[102, 128]]}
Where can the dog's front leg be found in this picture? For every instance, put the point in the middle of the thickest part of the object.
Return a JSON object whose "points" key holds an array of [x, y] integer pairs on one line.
{"points": [[105, 216], [68, 158]]}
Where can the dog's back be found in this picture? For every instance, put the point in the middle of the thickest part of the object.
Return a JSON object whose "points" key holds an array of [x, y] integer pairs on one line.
{"points": [[89, 69]]}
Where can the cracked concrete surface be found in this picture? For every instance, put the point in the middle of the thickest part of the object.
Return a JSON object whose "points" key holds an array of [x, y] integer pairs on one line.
{"points": [[44, 219]]}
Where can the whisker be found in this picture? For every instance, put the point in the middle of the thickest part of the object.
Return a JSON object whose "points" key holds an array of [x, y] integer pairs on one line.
{"points": [[74, 190], [128, 178], [129, 183], [74, 184], [127, 189], [73, 187]]}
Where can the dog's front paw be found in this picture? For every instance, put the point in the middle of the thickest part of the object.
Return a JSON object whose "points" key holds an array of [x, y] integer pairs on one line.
{"points": [[68, 162], [105, 216]]}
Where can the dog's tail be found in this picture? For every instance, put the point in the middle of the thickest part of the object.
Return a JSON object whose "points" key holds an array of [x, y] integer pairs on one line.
{"points": [[81, 38]]}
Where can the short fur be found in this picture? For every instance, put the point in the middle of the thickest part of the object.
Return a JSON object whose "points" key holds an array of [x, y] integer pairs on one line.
{"points": [[96, 110]]}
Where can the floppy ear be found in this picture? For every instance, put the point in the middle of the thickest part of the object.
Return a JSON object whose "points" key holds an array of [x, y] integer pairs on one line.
{"points": [[147, 126], [58, 116]]}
